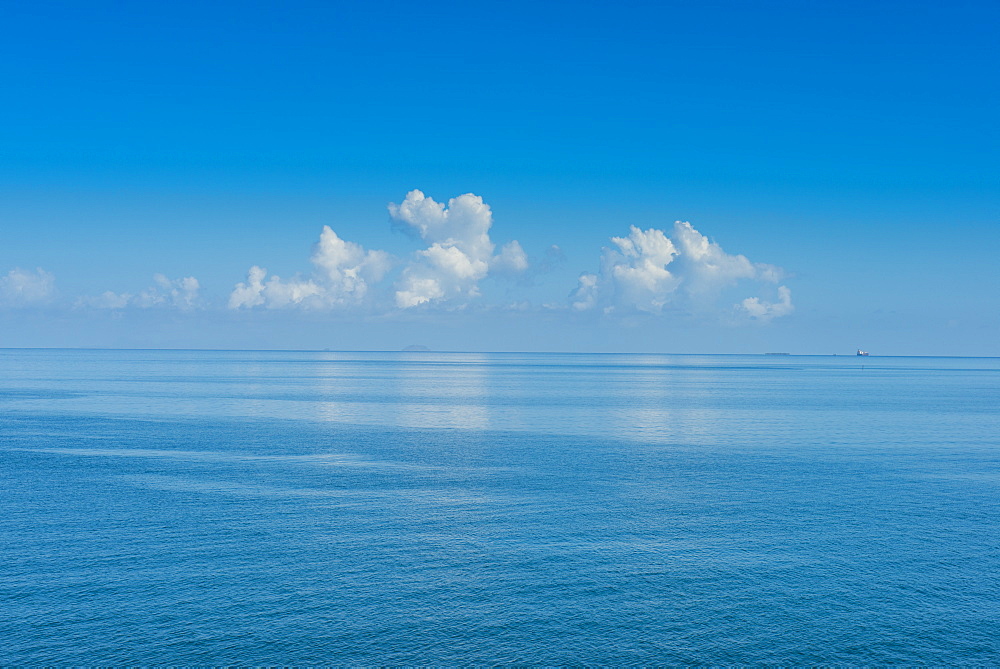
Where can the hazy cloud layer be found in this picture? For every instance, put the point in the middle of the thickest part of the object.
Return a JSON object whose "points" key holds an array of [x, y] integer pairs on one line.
{"points": [[652, 271], [343, 274], [177, 293], [460, 254], [180, 293], [22, 288]]}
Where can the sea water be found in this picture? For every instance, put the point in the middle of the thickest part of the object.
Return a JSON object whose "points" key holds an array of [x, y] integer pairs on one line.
{"points": [[262, 508]]}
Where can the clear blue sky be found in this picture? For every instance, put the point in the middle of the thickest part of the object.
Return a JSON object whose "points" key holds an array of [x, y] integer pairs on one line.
{"points": [[847, 151]]}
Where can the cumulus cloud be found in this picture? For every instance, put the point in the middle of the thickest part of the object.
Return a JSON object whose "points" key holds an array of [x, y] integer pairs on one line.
{"points": [[275, 293], [511, 258], [343, 274], [762, 311], [585, 295], [460, 251], [22, 288], [677, 270], [653, 271], [177, 293]]}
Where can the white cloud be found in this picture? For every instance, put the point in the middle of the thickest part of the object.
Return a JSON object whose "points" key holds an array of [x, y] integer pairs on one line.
{"points": [[762, 311], [276, 293], [585, 295], [348, 268], [638, 269], [511, 258], [651, 271], [251, 293], [177, 293], [180, 293], [460, 254], [23, 288], [344, 272], [678, 270]]}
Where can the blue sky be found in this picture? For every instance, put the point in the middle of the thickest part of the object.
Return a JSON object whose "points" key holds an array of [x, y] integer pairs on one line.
{"points": [[837, 164]]}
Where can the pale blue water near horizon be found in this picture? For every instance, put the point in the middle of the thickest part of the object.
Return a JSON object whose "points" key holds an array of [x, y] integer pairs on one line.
{"points": [[263, 508]]}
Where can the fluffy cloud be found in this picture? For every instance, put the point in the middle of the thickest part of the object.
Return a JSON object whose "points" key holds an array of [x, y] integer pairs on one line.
{"points": [[651, 271], [460, 254], [511, 259], [178, 293], [21, 288], [275, 293], [343, 273], [762, 311]]}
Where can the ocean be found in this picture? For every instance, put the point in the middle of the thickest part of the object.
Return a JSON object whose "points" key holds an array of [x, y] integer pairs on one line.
{"points": [[306, 508]]}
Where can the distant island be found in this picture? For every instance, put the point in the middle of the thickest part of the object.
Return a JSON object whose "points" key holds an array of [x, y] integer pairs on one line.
{"points": [[415, 348]]}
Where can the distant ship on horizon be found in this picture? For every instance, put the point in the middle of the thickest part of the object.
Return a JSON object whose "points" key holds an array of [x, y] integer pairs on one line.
{"points": [[860, 352]]}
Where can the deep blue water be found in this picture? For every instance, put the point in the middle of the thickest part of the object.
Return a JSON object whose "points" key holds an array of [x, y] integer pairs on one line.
{"points": [[194, 507]]}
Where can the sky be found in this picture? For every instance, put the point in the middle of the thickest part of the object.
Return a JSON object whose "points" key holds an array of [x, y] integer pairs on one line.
{"points": [[711, 177]]}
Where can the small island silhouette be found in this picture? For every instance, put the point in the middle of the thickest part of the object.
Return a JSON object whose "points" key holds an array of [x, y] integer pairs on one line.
{"points": [[415, 348]]}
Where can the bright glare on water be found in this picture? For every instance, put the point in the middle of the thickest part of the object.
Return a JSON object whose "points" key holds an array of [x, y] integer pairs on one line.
{"points": [[262, 508]]}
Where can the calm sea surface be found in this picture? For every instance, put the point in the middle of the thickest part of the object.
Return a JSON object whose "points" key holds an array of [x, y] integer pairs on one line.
{"points": [[196, 507]]}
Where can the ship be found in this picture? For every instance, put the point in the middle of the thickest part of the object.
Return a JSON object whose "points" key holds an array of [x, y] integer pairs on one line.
{"points": [[860, 352]]}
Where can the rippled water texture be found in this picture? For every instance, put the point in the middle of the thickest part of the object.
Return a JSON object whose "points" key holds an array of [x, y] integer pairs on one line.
{"points": [[331, 508]]}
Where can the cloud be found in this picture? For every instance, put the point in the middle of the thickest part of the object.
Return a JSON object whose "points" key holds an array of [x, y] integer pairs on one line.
{"points": [[511, 259], [180, 294], [761, 311], [21, 288], [460, 251], [585, 295], [653, 272], [276, 293], [106, 300], [343, 273]]}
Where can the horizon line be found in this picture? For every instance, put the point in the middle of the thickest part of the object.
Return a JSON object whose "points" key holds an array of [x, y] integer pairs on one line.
{"points": [[329, 350]]}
